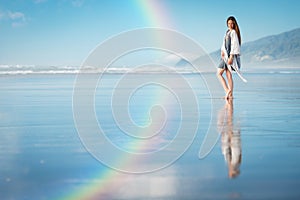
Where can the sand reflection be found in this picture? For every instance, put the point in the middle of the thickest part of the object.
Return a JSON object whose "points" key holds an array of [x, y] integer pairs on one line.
{"points": [[230, 139]]}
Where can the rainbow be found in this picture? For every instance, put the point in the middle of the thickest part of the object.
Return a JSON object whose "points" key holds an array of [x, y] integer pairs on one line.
{"points": [[106, 180], [155, 13], [93, 189]]}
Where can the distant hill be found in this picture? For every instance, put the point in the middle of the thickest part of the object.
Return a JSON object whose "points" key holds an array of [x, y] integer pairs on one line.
{"points": [[272, 51]]}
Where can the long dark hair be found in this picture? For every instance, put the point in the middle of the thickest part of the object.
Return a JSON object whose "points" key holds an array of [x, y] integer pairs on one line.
{"points": [[235, 27]]}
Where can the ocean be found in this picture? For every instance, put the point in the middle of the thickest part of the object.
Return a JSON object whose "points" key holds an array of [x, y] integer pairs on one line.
{"points": [[140, 136]]}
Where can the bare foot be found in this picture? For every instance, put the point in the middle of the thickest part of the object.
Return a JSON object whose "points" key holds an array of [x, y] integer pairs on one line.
{"points": [[228, 94], [229, 101]]}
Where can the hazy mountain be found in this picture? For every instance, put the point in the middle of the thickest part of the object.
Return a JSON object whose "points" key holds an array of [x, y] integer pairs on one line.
{"points": [[272, 51]]}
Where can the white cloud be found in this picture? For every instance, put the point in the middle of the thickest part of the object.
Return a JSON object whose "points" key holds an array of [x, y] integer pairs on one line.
{"points": [[16, 16], [17, 24], [17, 19]]}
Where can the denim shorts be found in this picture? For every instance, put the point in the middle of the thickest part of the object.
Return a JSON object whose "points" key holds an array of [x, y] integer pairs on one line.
{"points": [[223, 65]]}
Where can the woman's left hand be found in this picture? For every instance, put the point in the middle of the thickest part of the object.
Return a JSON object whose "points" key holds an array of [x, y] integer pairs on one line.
{"points": [[230, 60]]}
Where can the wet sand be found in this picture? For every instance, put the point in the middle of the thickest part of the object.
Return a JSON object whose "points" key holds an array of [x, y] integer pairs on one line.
{"points": [[256, 155]]}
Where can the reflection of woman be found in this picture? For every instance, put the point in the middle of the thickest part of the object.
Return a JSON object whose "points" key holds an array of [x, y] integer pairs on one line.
{"points": [[231, 50], [231, 141]]}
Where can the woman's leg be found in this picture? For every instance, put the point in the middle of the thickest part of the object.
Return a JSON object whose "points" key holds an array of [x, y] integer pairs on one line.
{"points": [[222, 80], [230, 84]]}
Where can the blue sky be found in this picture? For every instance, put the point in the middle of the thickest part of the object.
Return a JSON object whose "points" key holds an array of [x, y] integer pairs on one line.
{"points": [[63, 32]]}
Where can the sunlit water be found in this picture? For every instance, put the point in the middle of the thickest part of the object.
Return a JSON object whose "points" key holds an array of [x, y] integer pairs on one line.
{"points": [[255, 157]]}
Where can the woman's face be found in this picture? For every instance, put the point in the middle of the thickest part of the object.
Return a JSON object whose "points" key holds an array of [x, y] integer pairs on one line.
{"points": [[230, 24]]}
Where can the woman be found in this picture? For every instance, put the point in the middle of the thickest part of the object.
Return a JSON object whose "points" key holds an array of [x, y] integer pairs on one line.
{"points": [[231, 139], [230, 53]]}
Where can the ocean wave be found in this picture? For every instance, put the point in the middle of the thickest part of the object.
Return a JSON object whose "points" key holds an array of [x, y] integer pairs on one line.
{"points": [[30, 69]]}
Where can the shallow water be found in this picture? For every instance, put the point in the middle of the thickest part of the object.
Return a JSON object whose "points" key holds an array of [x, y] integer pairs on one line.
{"points": [[256, 155]]}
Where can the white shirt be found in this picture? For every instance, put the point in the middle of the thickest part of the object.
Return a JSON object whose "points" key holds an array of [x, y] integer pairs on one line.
{"points": [[235, 45]]}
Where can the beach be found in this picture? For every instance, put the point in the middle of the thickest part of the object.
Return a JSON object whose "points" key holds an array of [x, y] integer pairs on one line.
{"points": [[256, 155]]}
